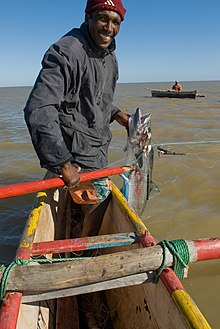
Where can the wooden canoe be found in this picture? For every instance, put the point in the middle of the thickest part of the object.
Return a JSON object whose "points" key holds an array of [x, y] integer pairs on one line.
{"points": [[126, 302], [174, 94]]}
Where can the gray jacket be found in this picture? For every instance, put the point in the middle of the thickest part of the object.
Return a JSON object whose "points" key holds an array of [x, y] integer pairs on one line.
{"points": [[70, 108]]}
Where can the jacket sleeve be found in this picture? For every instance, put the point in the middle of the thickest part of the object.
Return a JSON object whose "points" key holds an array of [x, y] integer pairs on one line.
{"points": [[42, 110], [114, 109]]}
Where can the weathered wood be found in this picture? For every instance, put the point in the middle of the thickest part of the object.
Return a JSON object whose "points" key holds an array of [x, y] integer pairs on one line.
{"points": [[126, 281], [10, 305], [70, 245], [79, 272], [85, 271], [67, 313]]}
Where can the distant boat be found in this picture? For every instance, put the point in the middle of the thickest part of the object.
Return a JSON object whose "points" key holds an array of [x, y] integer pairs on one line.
{"points": [[174, 94]]}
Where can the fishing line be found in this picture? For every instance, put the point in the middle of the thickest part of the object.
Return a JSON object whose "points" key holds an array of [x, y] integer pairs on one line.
{"points": [[204, 161], [112, 164], [196, 154], [130, 157], [155, 145], [187, 143], [202, 152], [187, 157]]}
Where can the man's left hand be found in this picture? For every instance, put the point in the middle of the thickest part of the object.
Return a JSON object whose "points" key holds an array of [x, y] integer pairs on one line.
{"points": [[122, 118]]}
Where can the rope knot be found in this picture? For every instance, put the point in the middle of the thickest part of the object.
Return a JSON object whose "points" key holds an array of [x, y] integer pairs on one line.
{"points": [[180, 252], [6, 273]]}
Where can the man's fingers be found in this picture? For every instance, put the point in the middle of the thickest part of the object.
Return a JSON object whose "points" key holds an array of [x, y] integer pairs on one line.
{"points": [[78, 168], [73, 183]]}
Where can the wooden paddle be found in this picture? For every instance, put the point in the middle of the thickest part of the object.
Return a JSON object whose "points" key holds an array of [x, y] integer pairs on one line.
{"points": [[30, 187]]}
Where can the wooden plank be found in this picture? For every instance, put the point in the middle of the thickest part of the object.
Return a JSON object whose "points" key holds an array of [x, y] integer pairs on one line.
{"points": [[84, 271], [67, 313], [106, 285], [70, 245]]}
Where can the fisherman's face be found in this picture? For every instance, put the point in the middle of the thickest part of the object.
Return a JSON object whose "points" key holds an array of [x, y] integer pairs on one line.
{"points": [[104, 25]]}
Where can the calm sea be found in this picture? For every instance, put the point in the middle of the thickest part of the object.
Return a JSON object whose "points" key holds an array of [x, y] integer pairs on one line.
{"points": [[188, 204]]}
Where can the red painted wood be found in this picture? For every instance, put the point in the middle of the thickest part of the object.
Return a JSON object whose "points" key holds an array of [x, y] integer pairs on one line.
{"points": [[23, 253], [11, 302], [171, 281], [147, 240], [207, 249], [59, 246], [9, 310], [31, 187]]}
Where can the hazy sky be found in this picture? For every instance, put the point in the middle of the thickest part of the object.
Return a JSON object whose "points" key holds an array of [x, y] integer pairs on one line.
{"points": [[159, 40]]}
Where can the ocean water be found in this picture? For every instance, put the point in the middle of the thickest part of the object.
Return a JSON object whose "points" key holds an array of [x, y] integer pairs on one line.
{"points": [[187, 206]]}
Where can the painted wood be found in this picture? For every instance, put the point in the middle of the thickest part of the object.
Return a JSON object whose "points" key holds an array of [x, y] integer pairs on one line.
{"points": [[207, 248], [103, 241], [68, 274], [31, 187], [47, 221], [146, 298], [10, 310]]}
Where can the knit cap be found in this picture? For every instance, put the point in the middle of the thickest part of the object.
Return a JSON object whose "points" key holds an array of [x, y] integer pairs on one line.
{"points": [[112, 5]]}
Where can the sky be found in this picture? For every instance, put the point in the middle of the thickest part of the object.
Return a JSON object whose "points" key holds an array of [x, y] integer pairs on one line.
{"points": [[158, 41]]}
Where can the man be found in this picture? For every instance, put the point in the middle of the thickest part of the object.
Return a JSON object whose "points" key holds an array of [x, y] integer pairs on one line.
{"points": [[70, 108], [177, 86]]}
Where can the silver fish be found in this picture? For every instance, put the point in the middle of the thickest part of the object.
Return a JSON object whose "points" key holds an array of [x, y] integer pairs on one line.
{"points": [[140, 155]]}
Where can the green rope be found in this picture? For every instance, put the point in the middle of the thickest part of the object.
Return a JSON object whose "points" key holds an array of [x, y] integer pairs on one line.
{"points": [[22, 262], [7, 270], [180, 252]]}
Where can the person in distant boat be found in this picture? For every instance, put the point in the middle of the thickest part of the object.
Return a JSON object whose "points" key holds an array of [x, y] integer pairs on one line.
{"points": [[177, 86], [70, 107]]}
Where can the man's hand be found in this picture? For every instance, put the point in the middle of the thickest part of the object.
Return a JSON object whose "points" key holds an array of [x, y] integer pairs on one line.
{"points": [[70, 174], [122, 118]]}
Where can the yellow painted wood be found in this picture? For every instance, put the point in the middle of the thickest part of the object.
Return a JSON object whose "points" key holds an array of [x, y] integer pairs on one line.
{"points": [[34, 216], [182, 299], [31, 227], [190, 310]]}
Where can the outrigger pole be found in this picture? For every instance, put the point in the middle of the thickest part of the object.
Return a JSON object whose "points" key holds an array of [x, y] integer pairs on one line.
{"points": [[46, 184]]}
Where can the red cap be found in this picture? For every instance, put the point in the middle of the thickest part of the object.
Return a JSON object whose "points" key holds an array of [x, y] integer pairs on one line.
{"points": [[112, 5]]}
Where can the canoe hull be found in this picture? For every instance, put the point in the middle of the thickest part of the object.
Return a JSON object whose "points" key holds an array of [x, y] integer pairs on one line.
{"points": [[144, 305], [174, 94]]}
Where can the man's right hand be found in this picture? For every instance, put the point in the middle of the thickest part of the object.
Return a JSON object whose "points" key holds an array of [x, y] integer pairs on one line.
{"points": [[70, 174]]}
